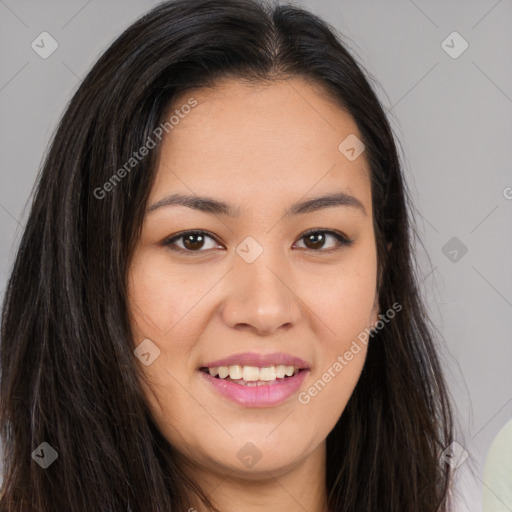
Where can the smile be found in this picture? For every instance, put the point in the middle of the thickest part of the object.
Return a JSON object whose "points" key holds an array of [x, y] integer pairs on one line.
{"points": [[255, 380]]}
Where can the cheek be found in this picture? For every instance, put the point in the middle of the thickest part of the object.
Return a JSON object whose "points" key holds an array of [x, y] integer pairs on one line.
{"points": [[342, 349], [344, 304], [343, 298], [349, 308], [159, 303], [160, 295]]}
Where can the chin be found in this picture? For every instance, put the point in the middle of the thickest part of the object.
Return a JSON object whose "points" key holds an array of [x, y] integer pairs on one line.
{"points": [[255, 456]]}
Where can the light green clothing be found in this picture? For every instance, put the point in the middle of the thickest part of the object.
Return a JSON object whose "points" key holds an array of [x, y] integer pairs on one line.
{"points": [[497, 489]]}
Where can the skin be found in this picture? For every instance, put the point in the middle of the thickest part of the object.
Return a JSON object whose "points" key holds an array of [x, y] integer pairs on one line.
{"points": [[261, 148]]}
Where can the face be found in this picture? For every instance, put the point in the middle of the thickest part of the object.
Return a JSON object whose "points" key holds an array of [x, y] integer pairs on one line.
{"points": [[262, 283]]}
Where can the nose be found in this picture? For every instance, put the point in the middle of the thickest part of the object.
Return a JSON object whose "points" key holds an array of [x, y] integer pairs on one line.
{"points": [[261, 297]]}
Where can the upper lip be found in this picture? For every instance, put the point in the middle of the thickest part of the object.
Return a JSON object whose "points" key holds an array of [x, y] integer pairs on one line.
{"points": [[260, 360]]}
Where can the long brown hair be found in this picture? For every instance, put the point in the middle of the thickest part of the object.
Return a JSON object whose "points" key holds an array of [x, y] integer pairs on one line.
{"points": [[68, 372]]}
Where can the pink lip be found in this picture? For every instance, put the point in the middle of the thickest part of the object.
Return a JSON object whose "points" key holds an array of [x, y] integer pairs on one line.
{"points": [[256, 396], [261, 360]]}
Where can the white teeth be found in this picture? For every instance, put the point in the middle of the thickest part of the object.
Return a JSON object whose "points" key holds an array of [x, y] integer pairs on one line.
{"points": [[268, 373], [235, 372], [223, 372], [288, 371], [280, 371], [253, 374]]}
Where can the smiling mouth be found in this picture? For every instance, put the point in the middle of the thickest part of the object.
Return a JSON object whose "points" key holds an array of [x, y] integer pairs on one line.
{"points": [[252, 376]]}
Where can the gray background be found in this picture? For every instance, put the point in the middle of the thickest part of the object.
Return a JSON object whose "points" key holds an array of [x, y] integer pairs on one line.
{"points": [[451, 115]]}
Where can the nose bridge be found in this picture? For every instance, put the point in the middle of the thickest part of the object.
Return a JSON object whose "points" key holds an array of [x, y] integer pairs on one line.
{"points": [[261, 290]]}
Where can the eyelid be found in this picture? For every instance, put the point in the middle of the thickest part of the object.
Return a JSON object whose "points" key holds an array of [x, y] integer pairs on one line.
{"points": [[342, 239]]}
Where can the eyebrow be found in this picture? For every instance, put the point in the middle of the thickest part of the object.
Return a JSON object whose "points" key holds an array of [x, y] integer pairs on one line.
{"points": [[220, 208]]}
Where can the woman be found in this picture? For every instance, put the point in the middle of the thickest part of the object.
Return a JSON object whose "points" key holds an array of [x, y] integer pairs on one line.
{"points": [[214, 305]]}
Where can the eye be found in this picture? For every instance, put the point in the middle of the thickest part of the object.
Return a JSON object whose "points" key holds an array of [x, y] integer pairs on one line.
{"points": [[315, 240], [193, 241]]}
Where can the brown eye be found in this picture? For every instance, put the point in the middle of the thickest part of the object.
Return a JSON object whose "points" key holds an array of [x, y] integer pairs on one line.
{"points": [[316, 240], [192, 241]]}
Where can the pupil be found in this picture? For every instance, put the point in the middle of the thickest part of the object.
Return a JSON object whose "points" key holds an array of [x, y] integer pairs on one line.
{"points": [[193, 245], [315, 244]]}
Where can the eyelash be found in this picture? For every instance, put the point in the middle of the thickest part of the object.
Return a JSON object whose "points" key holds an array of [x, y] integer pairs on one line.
{"points": [[342, 240]]}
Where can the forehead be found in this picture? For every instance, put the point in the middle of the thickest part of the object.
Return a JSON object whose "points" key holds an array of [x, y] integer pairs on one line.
{"points": [[260, 140]]}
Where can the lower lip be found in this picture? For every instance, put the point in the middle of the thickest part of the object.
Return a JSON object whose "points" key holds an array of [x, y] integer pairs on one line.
{"points": [[257, 396]]}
